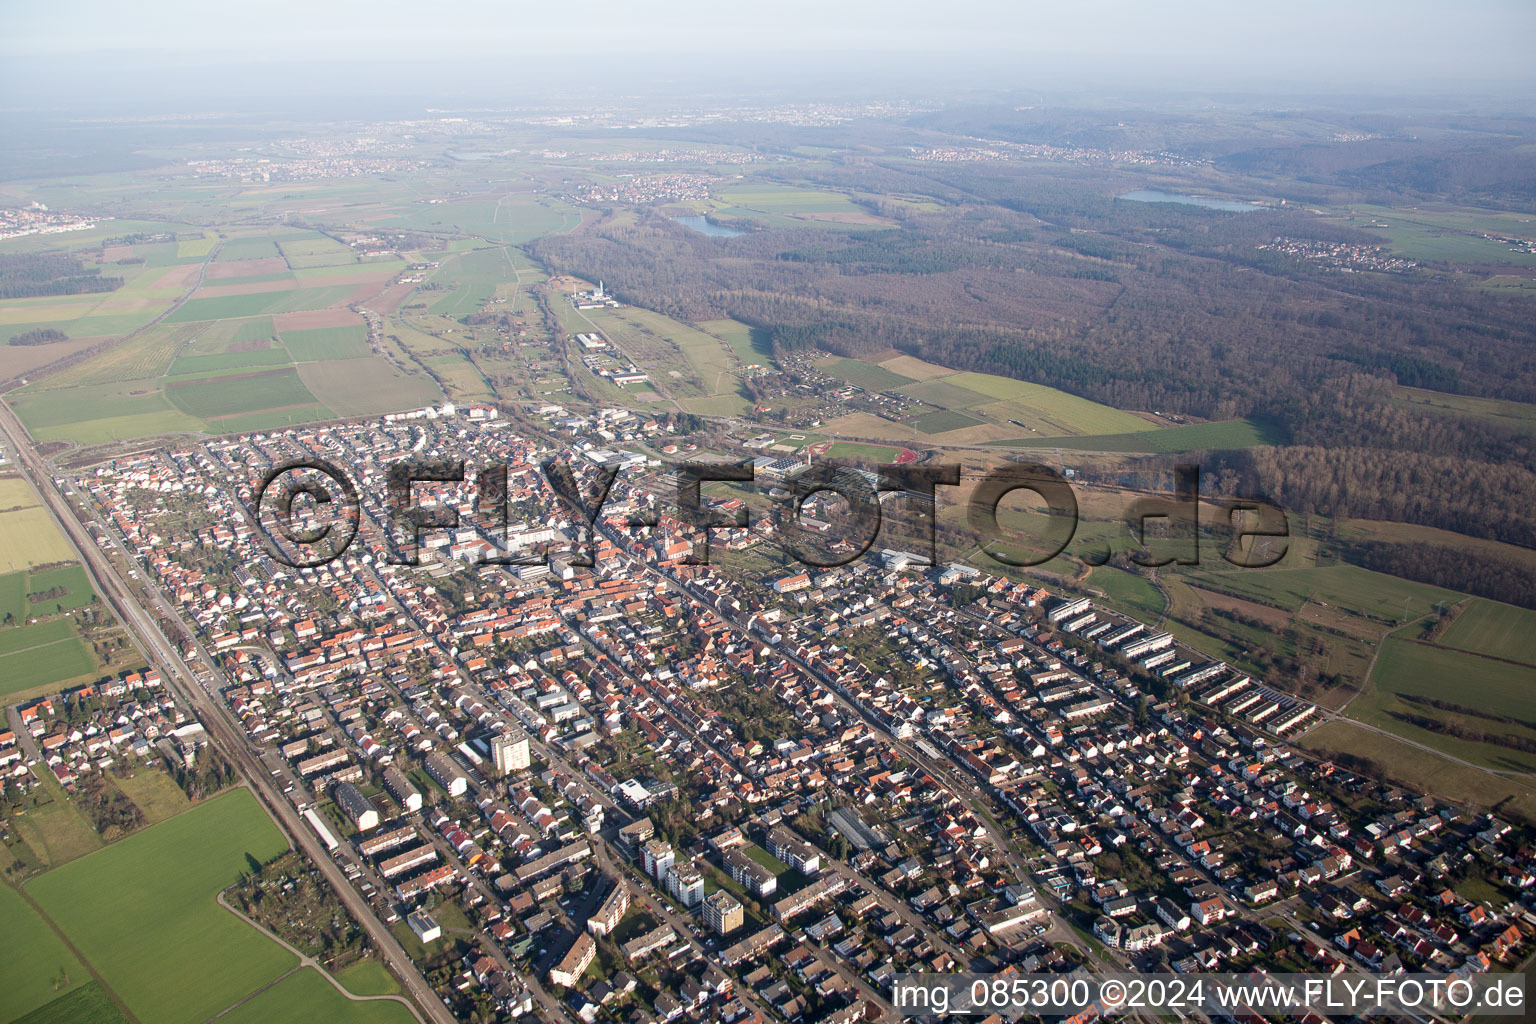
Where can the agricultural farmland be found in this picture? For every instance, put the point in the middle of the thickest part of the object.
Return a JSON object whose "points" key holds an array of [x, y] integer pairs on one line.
{"points": [[37, 967], [142, 911], [1497, 630]]}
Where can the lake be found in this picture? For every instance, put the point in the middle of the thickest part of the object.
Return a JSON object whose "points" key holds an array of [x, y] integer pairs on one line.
{"points": [[1152, 195], [704, 227]]}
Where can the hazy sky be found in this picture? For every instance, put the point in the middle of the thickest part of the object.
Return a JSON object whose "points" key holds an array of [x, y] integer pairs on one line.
{"points": [[1406, 46]]}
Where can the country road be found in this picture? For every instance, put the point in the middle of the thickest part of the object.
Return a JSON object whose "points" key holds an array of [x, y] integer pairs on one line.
{"points": [[211, 711]]}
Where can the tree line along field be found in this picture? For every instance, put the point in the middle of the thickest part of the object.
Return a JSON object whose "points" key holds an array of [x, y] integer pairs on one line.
{"points": [[1480, 699], [1220, 435], [1498, 630], [142, 912], [968, 400]]}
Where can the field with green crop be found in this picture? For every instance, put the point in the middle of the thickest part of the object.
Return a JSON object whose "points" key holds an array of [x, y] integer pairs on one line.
{"points": [[327, 343], [291, 300], [944, 420], [304, 997], [70, 579], [13, 597], [37, 967], [1128, 592], [187, 367], [253, 248], [1386, 599], [88, 1004], [47, 652], [1498, 697], [142, 911], [1497, 630], [368, 387], [246, 393], [368, 977], [868, 376]]}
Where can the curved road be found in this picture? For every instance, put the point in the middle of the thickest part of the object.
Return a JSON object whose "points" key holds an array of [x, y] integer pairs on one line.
{"points": [[309, 961]]}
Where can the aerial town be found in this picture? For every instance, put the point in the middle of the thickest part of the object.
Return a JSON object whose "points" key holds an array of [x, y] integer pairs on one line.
{"points": [[640, 787]]}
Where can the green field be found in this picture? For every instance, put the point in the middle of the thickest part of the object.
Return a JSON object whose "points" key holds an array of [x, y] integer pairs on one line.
{"points": [[1222, 435], [316, 251], [37, 967], [368, 977], [751, 344], [327, 343], [1498, 630], [284, 301], [247, 249], [868, 376], [72, 578], [49, 652], [304, 997], [946, 395], [142, 911], [1491, 687], [765, 858], [95, 413], [785, 206], [1128, 592], [189, 366], [1452, 235], [88, 1004], [862, 452], [367, 387], [1519, 417], [1383, 598], [227, 396], [1058, 409], [13, 597], [944, 420]]}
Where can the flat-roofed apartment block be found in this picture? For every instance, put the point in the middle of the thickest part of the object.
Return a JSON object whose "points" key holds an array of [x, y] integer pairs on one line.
{"points": [[723, 912], [510, 751], [686, 884]]}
